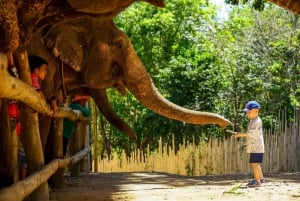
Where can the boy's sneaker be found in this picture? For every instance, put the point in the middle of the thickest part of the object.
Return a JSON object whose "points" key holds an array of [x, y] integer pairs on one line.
{"points": [[254, 184], [261, 181]]}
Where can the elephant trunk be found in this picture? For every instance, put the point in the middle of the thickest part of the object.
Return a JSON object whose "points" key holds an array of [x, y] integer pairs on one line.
{"points": [[140, 84], [101, 99]]}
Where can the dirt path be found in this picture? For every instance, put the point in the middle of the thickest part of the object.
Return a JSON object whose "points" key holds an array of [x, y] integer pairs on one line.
{"points": [[143, 186]]}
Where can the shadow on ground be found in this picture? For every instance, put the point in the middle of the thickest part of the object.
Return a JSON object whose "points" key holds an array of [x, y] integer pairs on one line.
{"points": [[163, 186]]}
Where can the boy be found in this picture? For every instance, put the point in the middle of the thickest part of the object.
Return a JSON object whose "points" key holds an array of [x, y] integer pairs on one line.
{"points": [[255, 142], [78, 103], [38, 69]]}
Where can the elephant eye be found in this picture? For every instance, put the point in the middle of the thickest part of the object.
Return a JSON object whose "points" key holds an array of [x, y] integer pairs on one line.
{"points": [[120, 42]]}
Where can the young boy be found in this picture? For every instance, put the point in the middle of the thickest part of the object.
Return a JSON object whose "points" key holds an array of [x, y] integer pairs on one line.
{"points": [[78, 103], [255, 142], [38, 69]]}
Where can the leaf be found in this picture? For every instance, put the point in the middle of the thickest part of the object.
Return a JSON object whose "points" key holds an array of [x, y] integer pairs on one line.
{"points": [[234, 190]]}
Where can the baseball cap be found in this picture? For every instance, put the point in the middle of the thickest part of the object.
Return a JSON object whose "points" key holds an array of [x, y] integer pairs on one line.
{"points": [[251, 105]]}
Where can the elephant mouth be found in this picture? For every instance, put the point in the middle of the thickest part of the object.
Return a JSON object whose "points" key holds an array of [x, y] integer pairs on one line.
{"points": [[119, 85]]}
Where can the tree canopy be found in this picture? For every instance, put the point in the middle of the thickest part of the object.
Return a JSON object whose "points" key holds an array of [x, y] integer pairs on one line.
{"points": [[203, 62]]}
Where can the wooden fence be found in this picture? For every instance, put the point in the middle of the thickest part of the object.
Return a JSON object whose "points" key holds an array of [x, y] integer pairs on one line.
{"points": [[35, 185], [19, 190], [216, 157]]}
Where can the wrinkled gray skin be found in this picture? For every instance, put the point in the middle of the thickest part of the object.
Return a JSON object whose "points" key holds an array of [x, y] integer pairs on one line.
{"points": [[95, 55]]}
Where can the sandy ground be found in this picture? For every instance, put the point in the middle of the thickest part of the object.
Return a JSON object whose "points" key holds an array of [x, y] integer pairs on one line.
{"points": [[145, 186]]}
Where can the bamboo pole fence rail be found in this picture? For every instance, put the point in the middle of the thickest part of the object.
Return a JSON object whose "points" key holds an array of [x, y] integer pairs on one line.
{"points": [[19, 190], [215, 157]]}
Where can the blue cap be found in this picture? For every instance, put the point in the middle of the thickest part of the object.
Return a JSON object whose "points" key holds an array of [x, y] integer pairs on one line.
{"points": [[251, 105]]}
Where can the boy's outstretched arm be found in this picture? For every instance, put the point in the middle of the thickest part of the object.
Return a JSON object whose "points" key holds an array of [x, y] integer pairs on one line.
{"points": [[237, 135]]}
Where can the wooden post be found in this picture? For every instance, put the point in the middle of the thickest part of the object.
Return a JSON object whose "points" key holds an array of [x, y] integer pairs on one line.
{"points": [[6, 159], [85, 143], [81, 142], [13, 150], [30, 132], [75, 147], [8, 139], [87, 163], [58, 177], [95, 130]]}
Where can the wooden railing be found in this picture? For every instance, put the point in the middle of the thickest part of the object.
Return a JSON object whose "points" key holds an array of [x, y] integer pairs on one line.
{"points": [[13, 88], [19, 190]]}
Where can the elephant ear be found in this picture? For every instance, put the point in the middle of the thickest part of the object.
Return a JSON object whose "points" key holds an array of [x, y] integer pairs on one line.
{"points": [[66, 43]]}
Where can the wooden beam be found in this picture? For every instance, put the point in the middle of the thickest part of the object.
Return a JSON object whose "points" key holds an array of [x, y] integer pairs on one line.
{"points": [[72, 115]]}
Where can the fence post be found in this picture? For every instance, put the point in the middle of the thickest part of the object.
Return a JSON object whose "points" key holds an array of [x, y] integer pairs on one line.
{"points": [[30, 132], [95, 136], [75, 146], [58, 177]]}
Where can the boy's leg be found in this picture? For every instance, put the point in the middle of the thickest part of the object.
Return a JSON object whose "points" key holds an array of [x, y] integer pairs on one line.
{"points": [[261, 176], [23, 166], [22, 173], [256, 171], [65, 145]]}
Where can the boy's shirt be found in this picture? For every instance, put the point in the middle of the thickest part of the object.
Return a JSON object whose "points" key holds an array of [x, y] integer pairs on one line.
{"points": [[35, 82], [69, 126], [255, 140]]}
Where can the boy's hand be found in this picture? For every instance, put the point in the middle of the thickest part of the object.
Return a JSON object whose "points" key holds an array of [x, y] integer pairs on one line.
{"points": [[53, 106]]}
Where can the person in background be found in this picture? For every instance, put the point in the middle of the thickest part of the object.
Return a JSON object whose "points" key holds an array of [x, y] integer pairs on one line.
{"points": [[38, 69], [77, 103], [255, 142], [14, 117]]}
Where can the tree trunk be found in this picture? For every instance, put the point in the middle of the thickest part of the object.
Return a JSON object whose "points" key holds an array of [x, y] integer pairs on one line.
{"points": [[30, 133]]}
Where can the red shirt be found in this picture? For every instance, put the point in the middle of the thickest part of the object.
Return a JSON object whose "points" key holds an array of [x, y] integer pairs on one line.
{"points": [[35, 81], [14, 114]]}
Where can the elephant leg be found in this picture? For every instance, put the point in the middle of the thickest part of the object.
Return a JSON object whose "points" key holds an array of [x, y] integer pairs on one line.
{"points": [[101, 99]]}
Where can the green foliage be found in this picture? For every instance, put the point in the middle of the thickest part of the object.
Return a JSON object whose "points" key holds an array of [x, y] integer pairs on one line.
{"points": [[256, 4], [202, 63]]}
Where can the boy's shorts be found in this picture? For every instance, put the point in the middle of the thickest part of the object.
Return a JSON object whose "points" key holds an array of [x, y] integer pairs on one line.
{"points": [[256, 157], [22, 159]]}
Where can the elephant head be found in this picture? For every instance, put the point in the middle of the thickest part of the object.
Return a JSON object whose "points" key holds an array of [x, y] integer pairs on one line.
{"points": [[97, 56]]}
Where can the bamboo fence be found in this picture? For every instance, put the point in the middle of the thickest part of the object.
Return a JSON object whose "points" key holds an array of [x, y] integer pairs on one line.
{"points": [[215, 157]]}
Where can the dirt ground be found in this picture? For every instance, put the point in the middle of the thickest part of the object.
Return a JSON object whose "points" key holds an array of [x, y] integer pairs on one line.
{"points": [[155, 186]]}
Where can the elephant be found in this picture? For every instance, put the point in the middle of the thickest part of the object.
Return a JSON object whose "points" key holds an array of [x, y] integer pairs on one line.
{"points": [[19, 20], [89, 55]]}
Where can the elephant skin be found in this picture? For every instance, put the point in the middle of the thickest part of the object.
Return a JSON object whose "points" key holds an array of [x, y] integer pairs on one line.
{"points": [[95, 55]]}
